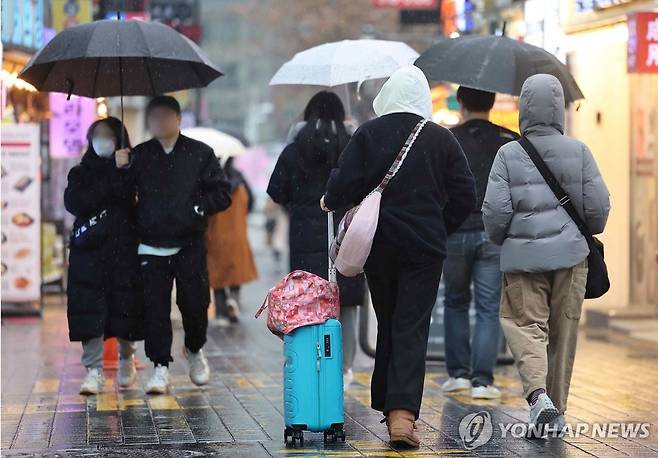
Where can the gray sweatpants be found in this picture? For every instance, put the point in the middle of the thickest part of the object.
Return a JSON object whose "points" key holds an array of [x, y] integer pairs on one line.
{"points": [[348, 320], [92, 351]]}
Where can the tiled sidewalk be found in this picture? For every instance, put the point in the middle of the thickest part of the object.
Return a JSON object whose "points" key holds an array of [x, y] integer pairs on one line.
{"points": [[239, 414]]}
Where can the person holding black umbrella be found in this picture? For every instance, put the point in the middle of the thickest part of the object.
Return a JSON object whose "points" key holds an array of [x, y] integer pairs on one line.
{"points": [[473, 259], [179, 183], [104, 297]]}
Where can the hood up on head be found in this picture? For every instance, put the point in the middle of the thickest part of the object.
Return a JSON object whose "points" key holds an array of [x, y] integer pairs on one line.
{"points": [[406, 91], [541, 104]]}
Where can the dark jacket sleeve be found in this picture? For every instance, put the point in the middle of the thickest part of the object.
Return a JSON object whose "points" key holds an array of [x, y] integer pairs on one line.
{"points": [[459, 185], [279, 187], [84, 196], [346, 182], [215, 188]]}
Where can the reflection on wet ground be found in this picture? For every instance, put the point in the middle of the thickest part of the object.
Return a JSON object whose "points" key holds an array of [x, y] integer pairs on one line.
{"points": [[239, 413]]}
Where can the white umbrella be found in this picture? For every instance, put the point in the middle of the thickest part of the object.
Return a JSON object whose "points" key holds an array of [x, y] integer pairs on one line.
{"points": [[347, 61], [224, 145]]}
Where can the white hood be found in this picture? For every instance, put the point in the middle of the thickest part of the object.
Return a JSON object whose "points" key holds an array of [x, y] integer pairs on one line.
{"points": [[406, 91]]}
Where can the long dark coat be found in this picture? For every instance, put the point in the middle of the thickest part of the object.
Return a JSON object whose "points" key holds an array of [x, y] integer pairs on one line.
{"points": [[104, 288], [300, 191]]}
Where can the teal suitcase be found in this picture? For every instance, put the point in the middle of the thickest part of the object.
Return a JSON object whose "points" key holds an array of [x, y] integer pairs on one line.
{"points": [[313, 382], [313, 377]]}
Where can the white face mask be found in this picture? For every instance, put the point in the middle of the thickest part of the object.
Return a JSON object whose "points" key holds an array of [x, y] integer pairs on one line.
{"points": [[104, 147]]}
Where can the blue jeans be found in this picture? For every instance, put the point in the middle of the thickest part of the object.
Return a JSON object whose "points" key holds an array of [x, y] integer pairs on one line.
{"points": [[472, 258]]}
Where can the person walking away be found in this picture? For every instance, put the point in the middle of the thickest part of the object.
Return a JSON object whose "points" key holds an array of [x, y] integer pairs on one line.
{"points": [[298, 182], [230, 260], [543, 255], [179, 185], [104, 287], [427, 200], [473, 260]]}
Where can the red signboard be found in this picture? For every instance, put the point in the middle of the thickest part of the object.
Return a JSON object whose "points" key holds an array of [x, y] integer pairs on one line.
{"points": [[643, 42], [406, 4]]}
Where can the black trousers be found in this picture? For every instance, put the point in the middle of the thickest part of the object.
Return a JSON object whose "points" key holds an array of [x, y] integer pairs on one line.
{"points": [[403, 290], [188, 267]]}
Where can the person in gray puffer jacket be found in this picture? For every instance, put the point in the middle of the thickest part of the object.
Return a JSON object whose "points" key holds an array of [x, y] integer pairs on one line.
{"points": [[543, 255]]}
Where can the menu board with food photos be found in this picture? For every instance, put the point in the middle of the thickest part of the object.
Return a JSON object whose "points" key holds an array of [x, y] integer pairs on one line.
{"points": [[21, 213]]}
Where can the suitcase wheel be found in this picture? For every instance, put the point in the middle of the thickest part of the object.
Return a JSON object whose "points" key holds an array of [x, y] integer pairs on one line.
{"points": [[334, 433], [299, 435], [294, 435], [329, 434]]}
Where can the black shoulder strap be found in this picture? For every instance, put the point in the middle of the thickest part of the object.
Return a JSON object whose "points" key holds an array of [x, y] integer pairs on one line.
{"points": [[556, 187]]}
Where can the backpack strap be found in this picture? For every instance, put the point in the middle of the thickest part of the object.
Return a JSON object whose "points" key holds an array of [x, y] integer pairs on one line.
{"points": [[397, 163]]}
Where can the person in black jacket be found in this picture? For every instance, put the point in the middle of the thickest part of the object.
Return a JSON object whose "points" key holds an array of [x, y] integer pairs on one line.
{"points": [[179, 183], [104, 288], [473, 258], [428, 199], [297, 182]]}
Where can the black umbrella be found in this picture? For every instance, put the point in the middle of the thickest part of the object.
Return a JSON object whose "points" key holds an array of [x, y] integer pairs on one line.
{"points": [[493, 63], [117, 58], [110, 58]]}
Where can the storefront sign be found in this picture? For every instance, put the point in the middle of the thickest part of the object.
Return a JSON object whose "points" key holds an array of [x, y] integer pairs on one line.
{"points": [[21, 213], [67, 13], [588, 6], [643, 43], [69, 122], [22, 23], [406, 4]]}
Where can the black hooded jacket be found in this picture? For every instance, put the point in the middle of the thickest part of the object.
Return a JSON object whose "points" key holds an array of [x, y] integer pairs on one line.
{"points": [[299, 186], [170, 186], [428, 199], [104, 288]]}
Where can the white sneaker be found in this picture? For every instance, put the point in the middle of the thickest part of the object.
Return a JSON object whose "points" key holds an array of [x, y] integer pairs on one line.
{"points": [[221, 322], [233, 310], [199, 370], [557, 427], [93, 382], [127, 372], [159, 381], [348, 377], [456, 384], [543, 412], [485, 392]]}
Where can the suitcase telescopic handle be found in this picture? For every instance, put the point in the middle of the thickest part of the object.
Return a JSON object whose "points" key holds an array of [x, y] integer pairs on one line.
{"points": [[330, 233]]}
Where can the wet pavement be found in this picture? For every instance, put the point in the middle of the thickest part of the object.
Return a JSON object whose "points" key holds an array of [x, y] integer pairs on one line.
{"points": [[240, 413]]}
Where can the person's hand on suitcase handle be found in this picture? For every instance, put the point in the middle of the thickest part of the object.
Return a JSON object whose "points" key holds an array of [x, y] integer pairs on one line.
{"points": [[323, 206]]}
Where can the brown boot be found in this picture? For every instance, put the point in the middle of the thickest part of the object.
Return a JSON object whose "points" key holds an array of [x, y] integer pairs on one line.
{"points": [[401, 426]]}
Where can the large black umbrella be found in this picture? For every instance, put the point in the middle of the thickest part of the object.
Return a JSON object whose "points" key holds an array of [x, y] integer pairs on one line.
{"points": [[493, 63], [116, 58]]}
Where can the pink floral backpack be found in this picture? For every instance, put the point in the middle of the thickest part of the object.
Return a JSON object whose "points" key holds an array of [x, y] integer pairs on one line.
{"points": [[302, 298]]}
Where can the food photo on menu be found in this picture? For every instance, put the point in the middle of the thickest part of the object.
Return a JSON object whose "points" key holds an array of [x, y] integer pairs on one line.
{"points": [[22, 219], [23, 183]]}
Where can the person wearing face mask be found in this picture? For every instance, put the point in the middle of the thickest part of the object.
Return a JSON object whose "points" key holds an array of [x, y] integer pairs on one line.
{"points": [[104, 287]]}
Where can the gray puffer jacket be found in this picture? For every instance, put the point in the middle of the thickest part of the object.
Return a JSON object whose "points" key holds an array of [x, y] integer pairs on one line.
{"points": [[520, 212]]}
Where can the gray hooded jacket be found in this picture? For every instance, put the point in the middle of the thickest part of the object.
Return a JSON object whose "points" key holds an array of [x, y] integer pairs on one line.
{"points": [[520, 211]]}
